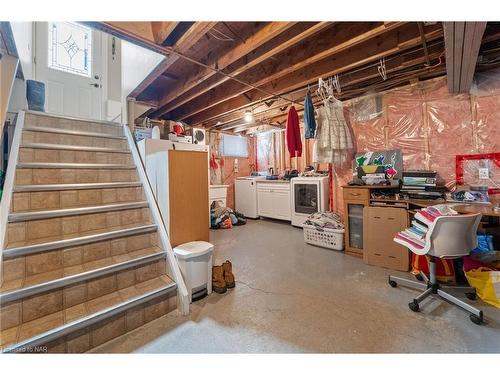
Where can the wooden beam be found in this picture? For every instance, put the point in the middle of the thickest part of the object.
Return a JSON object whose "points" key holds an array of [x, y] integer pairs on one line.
{"points": [[194, 34], [272, 30], [345, 35], [162, 30], [462, 43], [458, 45], [397, 65], [166, 51], [141, 29], [366, 52], [296, 59], [475, 36], [424, 42]]}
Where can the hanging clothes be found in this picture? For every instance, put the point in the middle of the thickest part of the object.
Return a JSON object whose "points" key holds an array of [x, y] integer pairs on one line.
{"points": [[333, 138], [294, 143], [309, 120]]}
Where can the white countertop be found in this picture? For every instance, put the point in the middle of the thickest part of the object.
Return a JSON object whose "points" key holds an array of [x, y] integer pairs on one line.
{"points": [[274, 181]]}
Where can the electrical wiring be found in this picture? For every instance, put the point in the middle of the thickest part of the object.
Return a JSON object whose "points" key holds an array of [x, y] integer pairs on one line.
{"points": [[223, 37]]}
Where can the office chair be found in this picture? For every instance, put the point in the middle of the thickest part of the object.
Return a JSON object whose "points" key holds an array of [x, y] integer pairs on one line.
{"points": [[448, 237]]}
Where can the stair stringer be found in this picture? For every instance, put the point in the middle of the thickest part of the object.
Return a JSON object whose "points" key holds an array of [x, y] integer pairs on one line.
{"points": [[174, 270], [9, 184]]}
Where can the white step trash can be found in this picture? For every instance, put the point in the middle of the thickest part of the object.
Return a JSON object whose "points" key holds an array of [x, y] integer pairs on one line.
{"points": [[195, 261]]}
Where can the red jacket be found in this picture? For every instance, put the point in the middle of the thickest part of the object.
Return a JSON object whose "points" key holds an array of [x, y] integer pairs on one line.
{"points": [[293, 139]]}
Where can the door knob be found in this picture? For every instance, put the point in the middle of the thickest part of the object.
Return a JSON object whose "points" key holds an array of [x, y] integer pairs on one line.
{"points": [[96, 85], [96, 76]]}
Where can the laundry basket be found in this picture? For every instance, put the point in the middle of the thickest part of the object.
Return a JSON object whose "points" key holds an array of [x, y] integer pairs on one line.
{"points": [[324, 237]]}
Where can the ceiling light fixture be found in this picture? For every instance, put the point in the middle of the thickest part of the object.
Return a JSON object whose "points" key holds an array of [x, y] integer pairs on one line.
{"points": [[248, 116]]}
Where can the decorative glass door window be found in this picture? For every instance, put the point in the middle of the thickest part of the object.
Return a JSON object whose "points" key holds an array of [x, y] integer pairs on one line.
{"points": [[70, 48]]}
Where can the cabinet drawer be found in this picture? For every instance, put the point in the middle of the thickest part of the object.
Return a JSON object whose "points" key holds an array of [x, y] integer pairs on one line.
{"points": [[380, 226], [273, 187], [354, 194]]}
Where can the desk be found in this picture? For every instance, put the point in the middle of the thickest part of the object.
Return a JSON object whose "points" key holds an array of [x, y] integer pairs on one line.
{"points": [[356, 198], [462, 208]]}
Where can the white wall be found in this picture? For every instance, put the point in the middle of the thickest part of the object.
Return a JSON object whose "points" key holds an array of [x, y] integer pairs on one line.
{"points": [[23, 36], [137, 63], [113, 66]]}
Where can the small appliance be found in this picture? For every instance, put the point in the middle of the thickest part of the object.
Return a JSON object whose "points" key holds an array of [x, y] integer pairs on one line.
{"points": [[180, 138], [198, 135]]}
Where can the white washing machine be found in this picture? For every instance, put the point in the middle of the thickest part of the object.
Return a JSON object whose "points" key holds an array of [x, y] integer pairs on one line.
{"points": [[308, 195], [245, 195]]}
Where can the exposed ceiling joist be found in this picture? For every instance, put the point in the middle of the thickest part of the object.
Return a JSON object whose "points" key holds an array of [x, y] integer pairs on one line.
{"points": [[162, 30], [398, 68], [281, 119], [294, 60], [167, 51], [175, 97], [462, 44], [366, 52]]}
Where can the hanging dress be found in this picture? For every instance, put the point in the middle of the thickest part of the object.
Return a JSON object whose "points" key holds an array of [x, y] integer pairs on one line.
{"points": [[333, 138]]}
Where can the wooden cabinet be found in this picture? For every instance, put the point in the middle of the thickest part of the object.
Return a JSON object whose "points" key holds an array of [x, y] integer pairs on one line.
{"points": [[188, 195], [273, 200], [380, 226], [178, 175], [355, 200]]}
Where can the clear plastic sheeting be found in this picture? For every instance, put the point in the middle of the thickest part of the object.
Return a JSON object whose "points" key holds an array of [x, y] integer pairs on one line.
{"points": [[450, 132], [486, 83], [481, 172], [405, 130], [430, 126], [366, 108], [265, 152], [487, 123], [369, 135]]}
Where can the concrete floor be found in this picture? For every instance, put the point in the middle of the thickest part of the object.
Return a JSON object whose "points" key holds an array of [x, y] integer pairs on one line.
{"points": [[291, 297]]}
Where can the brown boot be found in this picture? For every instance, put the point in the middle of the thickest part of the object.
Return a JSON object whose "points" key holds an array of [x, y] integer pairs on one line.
{"points": [[228, 274], [218, 283]]}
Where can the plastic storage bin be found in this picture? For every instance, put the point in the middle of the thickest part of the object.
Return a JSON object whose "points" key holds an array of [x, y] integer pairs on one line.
{"points": [[196, 261], [324, 237]]}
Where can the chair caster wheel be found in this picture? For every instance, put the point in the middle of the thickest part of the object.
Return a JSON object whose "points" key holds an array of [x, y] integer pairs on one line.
{"points": [[471, 296], [476, 319], [419, 277], [414, 306], [393, 283]]}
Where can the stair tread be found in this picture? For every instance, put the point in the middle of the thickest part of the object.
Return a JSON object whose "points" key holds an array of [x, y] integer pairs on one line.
{"points": [[48, 129], [48, 165], [74, 270], [81, 205], [76, 186], [44, 324], [74, 211], [60, 146], [39, 241]]}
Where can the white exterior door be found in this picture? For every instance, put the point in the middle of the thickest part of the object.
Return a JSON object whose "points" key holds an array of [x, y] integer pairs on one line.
{"points": [[68, 58]]}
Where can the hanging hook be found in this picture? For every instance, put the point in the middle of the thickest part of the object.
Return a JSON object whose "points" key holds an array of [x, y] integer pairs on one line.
{"points": [[336, 84], [382, 69]]}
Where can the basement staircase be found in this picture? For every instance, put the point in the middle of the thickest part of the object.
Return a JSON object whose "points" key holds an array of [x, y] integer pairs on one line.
{"points": [[85, 257]]}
